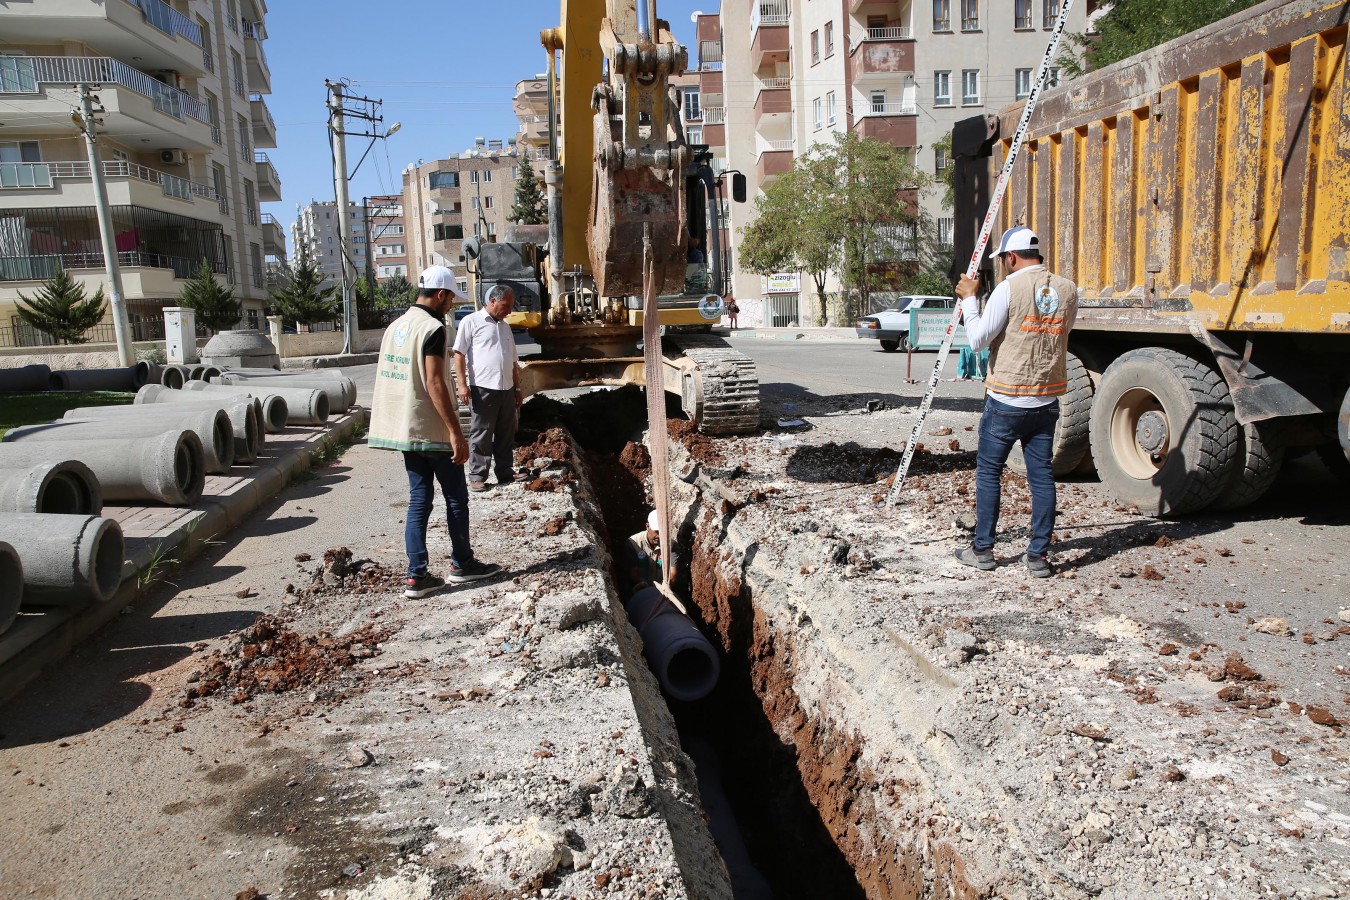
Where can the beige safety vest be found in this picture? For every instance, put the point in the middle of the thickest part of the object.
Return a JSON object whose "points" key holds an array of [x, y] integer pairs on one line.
{"points": [[1027, 359], [402, 416]]}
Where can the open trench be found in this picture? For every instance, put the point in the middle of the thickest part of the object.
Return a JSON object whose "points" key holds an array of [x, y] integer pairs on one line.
{"points": [[789, 801]]}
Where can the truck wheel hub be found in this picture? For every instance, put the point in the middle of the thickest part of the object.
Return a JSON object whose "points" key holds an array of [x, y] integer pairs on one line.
{"points": [[1151, 432]]}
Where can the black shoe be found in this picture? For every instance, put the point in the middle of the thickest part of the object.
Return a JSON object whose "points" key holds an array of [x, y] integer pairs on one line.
{"points": [[980, 559], [421, 585], [1038, 566], [472, 571]]}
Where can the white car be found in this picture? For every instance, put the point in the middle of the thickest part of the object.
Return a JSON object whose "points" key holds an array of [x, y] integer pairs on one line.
{"points": [[891, 326]]}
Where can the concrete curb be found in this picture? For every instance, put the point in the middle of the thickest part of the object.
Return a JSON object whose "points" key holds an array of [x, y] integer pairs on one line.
{"points": [[330, 362], [36, 641], [842, 335]]}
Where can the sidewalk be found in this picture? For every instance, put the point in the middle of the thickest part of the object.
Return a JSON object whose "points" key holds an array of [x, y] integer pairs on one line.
{"points": [[790, 334], [330, 362]]}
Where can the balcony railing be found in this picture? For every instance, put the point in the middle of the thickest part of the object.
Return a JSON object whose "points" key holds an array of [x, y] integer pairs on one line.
{"points": [[267, 113], [888, 34], [41, 175], [251, 215], [269, 219], [169, 20], [710, 56], [769, 12], [891, 109], [776, 146], [208, 61], [714, 115], [215, 133], [239, 88], [693, 115], [39, 268], [22, 75], [774, 84]]}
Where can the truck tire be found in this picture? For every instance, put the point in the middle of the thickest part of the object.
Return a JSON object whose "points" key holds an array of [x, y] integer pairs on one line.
{"points": [[1094, 359], [1335, 454], [890, 346], [1163, 431], [1071, 433], [1259, 458]]}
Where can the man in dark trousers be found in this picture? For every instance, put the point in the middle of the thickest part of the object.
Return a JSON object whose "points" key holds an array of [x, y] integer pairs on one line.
{"points": [[1026, 326], [488, 369], [414, 412]]}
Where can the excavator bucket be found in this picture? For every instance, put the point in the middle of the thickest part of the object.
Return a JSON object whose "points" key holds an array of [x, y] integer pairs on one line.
{"points": [[623, 204]]}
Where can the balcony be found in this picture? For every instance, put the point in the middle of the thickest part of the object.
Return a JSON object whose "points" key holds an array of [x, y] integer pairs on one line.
{"points": [[773, 100], [775, 159], [68, 183], [883, 57], [894, 123], [269, 182], [140, 110], [158, 34], [770, 42], [274, 239], [259, 75], [264, 126]]}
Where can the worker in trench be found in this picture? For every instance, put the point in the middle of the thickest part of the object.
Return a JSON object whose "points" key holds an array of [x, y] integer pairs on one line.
{"points": [[644, 557], [1026, 325]]}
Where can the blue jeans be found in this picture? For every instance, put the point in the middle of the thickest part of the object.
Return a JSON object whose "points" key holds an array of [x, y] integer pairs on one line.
{"points": [[1001, 427], [424, 469]]}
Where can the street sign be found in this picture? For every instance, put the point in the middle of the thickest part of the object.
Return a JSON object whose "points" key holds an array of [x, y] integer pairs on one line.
{"points": [[928, 327]]}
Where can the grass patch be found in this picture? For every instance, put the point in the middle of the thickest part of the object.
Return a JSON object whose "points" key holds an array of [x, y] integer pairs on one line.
{"points": [[47, 406]]}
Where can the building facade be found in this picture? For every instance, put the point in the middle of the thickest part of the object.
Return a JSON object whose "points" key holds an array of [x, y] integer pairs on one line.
{"points": [[182, 137], [388, 243], [793, 73], [316, 228]]}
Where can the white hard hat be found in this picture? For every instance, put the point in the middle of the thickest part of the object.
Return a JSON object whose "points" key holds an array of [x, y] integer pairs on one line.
{"points": [[1018, 237], [654, 521], [440, 278]]}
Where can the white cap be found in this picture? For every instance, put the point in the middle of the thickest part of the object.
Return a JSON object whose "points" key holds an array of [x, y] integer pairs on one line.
{"points": [[1016, 238], [439, 278], [654, 521]]}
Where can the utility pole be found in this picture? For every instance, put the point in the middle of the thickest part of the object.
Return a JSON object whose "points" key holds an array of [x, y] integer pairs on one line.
{"points": [[86, 120], [338, 112]]}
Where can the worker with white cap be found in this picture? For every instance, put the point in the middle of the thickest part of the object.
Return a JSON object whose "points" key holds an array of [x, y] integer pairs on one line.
{"points": [[644, 554], [1026, 325], [413, 411]]}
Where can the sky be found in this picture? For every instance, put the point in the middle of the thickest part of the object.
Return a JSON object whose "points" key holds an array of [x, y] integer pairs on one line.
{"points": [[445, 69]]}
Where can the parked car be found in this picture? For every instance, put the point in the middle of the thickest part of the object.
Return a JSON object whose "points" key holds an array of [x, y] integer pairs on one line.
{"points": [[891, 326], [461, 312]]}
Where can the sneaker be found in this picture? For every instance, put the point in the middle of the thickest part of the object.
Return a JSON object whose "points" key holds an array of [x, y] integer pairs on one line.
{"points": [[1038, 566], [421, 585], [472, 570], [980, 559], [478, 486]]}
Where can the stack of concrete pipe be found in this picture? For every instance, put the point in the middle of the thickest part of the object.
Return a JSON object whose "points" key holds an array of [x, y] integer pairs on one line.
{"points": [[63, 486], [166, 467], [62, 560], [305, 405], [340, 389], [129, 379], [211, 425], [249, 416], [176, 376], [26, 379]]}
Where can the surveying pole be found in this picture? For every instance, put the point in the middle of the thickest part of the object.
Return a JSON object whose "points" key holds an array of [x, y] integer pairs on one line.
{"points": [[338, 137], [86, 121]]}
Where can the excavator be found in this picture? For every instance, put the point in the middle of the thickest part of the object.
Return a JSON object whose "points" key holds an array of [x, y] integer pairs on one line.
{"points": [[626, 194]]}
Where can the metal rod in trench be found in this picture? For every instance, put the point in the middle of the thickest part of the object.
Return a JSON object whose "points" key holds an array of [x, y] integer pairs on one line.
{"points": [[986, 229], [652, 365]]}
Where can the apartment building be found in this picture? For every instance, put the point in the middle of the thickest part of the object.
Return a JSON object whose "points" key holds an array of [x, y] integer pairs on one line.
{"points": [[183, 89], [448, 200], [795, 72], [388, 244], [316, 228]]}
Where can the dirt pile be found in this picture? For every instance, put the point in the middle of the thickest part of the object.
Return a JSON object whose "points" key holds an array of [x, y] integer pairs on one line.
{"points": [[340, 572]]}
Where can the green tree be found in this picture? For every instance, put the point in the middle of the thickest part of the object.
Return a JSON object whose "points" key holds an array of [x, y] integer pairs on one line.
{"points": [[531, 207], [792, 230], [215, 305], [942, 149], [399, 291], [1133, 26], [301, 297], [364, 296], [61, 310]]}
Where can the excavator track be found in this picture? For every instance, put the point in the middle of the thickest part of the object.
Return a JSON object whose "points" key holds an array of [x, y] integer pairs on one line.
{"points": [[718, 386]]}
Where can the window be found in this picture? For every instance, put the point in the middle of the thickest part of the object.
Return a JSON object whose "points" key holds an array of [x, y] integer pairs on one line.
{"points": [[940, 160], [218, 182], [1052, 77], [692, 111], [487, 203], [829, 39], [816, 108], [1022, 83], [477, 229], [213, 114], [815, 47], [473, 176], [942, 15], [945, 229], [515, 172], [829, 108], [255, 263], [1022, 14], [1049, 13], [245, 149], [447, 232], [250, 203], [232, 16], [473, 202], [237, 70], [443, 180], [492, 229], [970, 86], [875, 23], [942, 88], [970, 15], [878, 101], [18, 167], [487, 174], [694, 134]]}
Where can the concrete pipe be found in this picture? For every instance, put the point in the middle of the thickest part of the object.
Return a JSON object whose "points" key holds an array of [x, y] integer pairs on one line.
{"points": [[210, 423], [165, 468], [146, 373], [26, 379], [245, 414], [61, 486], [94, 380], [341, 390], [11, 586], [203, 372], [173, 376], [274, 413], [67, 560], [682, 659], [304, 405]]}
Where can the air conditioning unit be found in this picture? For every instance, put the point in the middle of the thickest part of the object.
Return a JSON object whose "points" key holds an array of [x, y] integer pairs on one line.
{"points": [[173, 157]]}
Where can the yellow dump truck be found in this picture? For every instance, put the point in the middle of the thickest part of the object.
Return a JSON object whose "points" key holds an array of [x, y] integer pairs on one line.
{"points": [[1199, 196]]}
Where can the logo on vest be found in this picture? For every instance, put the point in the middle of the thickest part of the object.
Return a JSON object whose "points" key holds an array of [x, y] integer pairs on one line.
{"points": [[1047, 300], [401, 333]]}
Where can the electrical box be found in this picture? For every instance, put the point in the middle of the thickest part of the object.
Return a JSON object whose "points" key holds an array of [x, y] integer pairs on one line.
{"points": [[180, 335]]}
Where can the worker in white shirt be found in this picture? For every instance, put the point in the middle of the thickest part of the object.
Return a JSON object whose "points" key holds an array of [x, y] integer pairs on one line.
{"points": [[488, 371]]}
